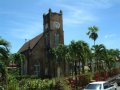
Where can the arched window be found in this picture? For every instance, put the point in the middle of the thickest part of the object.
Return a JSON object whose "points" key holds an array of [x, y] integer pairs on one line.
{"points": [[46, 39], [57, 37]]}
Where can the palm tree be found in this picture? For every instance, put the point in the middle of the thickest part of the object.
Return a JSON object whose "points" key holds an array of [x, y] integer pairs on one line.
{"points": [[100, 55], [4, 51], [3, 73], [52, 53], [61, 52], [112, 56], [93, 33], [69, 62], [84, 53], [59, 56], [73, 53], [79, 52], [18, 59]]}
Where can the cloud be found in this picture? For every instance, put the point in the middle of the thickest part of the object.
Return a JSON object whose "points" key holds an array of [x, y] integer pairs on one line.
{"points": [[27, 32], [17, 14], [76, 15], [21, 25], [108, 36], [84, 11], [100, 4]]}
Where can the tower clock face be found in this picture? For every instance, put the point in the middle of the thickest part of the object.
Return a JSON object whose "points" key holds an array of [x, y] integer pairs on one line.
{"points": [[56, 25]]}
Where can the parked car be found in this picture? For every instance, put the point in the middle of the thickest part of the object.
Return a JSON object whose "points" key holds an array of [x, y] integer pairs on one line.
{"points": [[101, 85]]}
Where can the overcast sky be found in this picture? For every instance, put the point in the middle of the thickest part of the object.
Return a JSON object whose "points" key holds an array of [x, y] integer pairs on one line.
{"points": [[23, 19]]}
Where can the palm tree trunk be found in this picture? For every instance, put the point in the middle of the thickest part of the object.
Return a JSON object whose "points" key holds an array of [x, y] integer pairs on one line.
{"points": [[75, 68], [94, 42], [79, 67], [64, 68], [83, 68]]}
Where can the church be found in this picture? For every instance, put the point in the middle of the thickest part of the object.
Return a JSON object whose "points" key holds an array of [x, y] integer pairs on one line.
{"points": [[38, 60]]}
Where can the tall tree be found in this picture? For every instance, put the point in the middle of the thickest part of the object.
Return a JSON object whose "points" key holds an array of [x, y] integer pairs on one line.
{"points": [[59, 55], [112, 56], [79, 52], [100, 54], [84, 53], [4, 55], [93, 33], [4, 51], [73, 53], [19, 59], [61, 52], [52, 52]]}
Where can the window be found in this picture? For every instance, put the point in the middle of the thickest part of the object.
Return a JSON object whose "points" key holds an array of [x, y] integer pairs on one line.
{"points": [[36, 69], [46, 71], [46, 39], [106, 85], [57, 39], [93, 86]]}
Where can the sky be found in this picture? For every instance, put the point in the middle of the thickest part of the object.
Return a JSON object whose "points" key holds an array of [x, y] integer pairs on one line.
{"points": [[23, 19]]}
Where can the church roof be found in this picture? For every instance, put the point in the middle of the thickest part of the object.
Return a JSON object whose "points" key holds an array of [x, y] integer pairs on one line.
{"points": [[31, 43]]}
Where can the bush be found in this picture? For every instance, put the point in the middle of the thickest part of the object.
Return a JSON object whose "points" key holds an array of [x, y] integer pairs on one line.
{"points": [[39, 84], [12, 83]]}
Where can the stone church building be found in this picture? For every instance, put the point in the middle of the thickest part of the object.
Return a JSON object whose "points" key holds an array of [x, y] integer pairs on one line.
{"points": [[38, 60]]}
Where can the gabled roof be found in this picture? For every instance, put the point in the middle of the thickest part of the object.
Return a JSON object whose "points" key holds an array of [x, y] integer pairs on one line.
{"points": [[31, 43]]}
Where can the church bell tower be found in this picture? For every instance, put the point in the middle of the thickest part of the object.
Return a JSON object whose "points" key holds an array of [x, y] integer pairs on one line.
{"points": [[53, 36], [53, 29]]}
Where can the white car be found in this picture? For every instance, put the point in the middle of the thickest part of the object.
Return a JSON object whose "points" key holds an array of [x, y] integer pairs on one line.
{"points": [[101, 85]]}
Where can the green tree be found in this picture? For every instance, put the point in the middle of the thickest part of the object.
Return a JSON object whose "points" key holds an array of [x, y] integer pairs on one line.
{"points": [[80, 52], [59, 56], [61, 52], [4, 56], [93, 33], [112, 57], [84, 53], [73, 53], [4, 51], [52, 53], [18, 60], [100, 55]]}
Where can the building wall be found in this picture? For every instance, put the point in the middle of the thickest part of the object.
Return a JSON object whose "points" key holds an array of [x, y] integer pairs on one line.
{"points": [[37, 58]]}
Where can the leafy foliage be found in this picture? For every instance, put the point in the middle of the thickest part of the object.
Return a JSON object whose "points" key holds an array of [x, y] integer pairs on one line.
{"points": [[4, 51], [93, 33]]}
